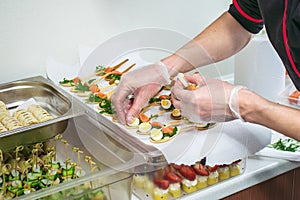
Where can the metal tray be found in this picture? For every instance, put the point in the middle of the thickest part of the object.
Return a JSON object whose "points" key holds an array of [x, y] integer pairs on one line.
{"points": [[57, 102]]}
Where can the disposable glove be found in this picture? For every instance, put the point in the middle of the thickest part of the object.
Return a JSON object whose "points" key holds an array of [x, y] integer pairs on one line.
{"points": [[143, 83], [212, 101]]}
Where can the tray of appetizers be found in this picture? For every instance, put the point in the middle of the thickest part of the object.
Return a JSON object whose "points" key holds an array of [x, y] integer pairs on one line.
{"points": [[33, 109], [83, 162]]}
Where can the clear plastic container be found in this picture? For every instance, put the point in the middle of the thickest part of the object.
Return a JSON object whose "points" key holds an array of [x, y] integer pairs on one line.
{"points": [[144, 186], [106, 166]]}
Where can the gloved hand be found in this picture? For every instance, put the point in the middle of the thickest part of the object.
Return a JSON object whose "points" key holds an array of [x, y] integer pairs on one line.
{"points": [[143, 83], [213, 101]]}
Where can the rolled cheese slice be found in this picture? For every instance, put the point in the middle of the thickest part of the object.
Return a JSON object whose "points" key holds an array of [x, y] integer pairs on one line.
{"points": [[2, 105], [11, 123], [39, 113], [3, 114], [3, 110], [25, 117], [2, 128]]}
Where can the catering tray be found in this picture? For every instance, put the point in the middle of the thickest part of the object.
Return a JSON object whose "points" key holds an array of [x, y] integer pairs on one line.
{"points": [[118, 156], [110, 175], [58, 103]]}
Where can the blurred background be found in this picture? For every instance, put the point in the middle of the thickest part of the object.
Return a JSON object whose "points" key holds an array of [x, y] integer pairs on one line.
{"points": [[32, 30]]}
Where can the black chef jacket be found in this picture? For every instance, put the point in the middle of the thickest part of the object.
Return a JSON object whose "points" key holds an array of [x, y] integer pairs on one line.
{"points": [[282, 22]]}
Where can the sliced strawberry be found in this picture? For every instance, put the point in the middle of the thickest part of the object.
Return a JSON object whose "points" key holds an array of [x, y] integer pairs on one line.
{"points": [[212, 169], [175, 166], [173, 177], [160, 173], [161, 183], [200, 169], [187, 172]]}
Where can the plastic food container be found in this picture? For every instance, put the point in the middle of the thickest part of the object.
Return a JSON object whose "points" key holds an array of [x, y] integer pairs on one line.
{"points": [[103, 171], [161, 185], [92, 158]]}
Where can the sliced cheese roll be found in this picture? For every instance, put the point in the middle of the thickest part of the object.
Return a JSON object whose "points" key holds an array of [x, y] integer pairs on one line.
{"points": [[2, 128], [39, 113], [25, 117], [11, 123], [3, 114], [2, 104], [3, 110]]}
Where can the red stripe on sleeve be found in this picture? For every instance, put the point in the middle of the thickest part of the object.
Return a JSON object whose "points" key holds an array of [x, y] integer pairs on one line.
{"points": [[285, 39], [245, 14]]}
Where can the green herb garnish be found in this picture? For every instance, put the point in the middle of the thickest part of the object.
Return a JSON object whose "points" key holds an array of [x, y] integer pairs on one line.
{"points": [[81, 87], [106, 105], [172, 134], [115, 77], [287, 144], [100, 68], [94, 98], [67, 81], [154, 99]]}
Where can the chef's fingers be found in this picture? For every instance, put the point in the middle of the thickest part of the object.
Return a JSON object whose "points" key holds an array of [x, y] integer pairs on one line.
{"points": [[196, 79], [119, 99], [178, 91], [175, 101], [141, 98]]}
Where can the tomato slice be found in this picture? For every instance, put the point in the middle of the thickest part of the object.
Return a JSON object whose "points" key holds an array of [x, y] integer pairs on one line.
{"points": [[161, 183], [200, 169], [173, 177], [143, 117], [187, 172]]}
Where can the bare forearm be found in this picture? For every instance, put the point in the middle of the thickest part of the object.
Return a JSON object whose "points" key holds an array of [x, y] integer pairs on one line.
{"points": [[222, 39], [256, 109]]}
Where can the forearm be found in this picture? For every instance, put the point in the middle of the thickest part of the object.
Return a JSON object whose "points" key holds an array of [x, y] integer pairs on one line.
{"points": [[256, 109], [222, 39]]}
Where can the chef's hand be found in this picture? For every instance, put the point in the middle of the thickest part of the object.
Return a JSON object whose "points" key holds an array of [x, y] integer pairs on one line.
{"points": [[213, 101], [143, 83]]}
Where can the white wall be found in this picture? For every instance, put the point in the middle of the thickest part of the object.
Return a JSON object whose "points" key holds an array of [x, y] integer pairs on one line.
{"points": [[32, 30]]}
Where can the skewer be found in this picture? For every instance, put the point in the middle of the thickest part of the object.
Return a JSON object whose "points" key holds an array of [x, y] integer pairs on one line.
{"points": [[97, 72], [110, 73]]}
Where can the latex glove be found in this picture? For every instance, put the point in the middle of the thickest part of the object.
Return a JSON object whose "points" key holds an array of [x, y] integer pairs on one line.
{"points": [[213, 101], [143, 83]]}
